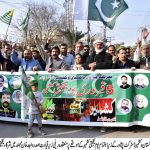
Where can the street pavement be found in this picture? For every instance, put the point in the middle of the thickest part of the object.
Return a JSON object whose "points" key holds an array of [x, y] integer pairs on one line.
{"points": [[19, 130]]}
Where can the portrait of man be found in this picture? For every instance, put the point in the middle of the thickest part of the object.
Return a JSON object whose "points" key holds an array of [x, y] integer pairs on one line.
{"points": [[17, 96], [2, 81], [140, 83], [5, 109], [124, 105], [124, 82], [140, 101], [15, 82]]}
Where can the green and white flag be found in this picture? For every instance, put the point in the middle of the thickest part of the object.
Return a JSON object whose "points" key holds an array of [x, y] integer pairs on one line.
{"points": [[106, 11], [28, 95], [7, 17], [25, 21]]}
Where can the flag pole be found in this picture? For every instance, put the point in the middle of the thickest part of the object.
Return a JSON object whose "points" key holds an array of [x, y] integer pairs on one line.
{"points": [[38, 107], [88, 32], [6, 33]]}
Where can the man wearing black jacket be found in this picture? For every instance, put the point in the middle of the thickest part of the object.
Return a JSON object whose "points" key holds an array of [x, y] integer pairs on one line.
{"points": [[99, 58]]}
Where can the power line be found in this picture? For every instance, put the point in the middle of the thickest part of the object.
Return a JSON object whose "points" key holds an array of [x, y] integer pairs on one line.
{"points": [[10, 2], [14, 5], [146, 17], [61, 5]]}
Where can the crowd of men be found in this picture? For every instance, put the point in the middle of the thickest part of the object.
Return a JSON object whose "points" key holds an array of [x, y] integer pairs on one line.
{"points": [[40, 58], [53, 58]]}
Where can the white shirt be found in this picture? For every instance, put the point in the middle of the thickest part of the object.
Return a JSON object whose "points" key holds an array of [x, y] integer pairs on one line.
{"points": [[33, 108]]}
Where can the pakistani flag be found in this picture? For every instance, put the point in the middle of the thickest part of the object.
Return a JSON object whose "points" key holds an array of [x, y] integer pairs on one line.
{"points": [[7, 17], [25, 22], [106, 11]]}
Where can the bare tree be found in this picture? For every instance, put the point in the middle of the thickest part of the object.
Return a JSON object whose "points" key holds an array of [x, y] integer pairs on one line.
{"points": [[45, 20]]}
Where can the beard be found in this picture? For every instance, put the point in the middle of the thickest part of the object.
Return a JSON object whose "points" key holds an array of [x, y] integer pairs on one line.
{"points": [[124, 83], [5, 105], [124, 107], [27, 58], [98, 50], [54, 56]]}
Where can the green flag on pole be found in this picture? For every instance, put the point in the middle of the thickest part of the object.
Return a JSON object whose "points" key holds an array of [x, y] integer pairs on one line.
{"points": [[28, 95], [26, 86], [7, 17], [25, 22], [105, 11]]}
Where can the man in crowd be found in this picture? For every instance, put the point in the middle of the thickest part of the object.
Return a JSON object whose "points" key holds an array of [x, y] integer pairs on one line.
{"points": [[53, 62], [6, 63], [36, 56], [142, 52], [121, 61], [143, 62], [79, 48], [128, 54], [68, 58], [70, 51], [111, 50], [28, 63], [86, 52], [99, 59]]}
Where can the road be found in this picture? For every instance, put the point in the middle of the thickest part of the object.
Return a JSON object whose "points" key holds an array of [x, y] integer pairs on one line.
{"points": [[18, 130]]}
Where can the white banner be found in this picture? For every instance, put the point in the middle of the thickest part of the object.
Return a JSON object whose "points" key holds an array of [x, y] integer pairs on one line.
{"points": [[75, 144]]}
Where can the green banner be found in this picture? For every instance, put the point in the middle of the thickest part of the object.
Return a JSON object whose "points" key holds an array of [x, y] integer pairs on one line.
{"points": [[101, 98]]}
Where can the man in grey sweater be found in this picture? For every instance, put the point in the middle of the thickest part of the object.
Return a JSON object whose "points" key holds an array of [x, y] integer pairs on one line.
{"points": [[53, 62]]}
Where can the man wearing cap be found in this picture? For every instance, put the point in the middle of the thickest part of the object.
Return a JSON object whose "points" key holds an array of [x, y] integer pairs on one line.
{"points": [[99, 59], [36, 56], [35, 109]]}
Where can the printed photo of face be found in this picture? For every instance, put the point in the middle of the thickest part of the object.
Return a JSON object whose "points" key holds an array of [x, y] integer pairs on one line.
{"points": [[6, 110], [140, 81], [124, 106], [15, 82], [124, 81], [3, 83], [140, 101], [5, 99], [17, 96]]}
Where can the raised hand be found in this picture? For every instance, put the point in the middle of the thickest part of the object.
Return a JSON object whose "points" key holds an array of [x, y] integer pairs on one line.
{"points": [[139, 43], [145, 33]]}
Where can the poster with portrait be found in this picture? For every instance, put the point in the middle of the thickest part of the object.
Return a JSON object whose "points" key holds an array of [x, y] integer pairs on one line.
{"points": [[101, 98]]}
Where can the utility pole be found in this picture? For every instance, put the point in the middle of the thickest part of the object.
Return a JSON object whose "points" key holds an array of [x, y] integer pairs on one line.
{"points": [[104, 34], [88, 32], [69, 15], [110, 39]]}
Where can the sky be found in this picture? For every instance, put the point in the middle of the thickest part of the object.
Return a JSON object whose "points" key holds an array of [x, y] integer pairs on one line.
{"points": [[127, 28]]}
